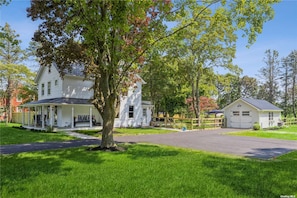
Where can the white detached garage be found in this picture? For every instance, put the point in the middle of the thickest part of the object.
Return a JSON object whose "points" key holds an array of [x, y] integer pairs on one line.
{"points": [[245, 112]]}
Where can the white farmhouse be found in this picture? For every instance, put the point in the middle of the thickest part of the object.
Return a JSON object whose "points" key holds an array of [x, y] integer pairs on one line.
{"points": [[65, 103], [245, 112]]}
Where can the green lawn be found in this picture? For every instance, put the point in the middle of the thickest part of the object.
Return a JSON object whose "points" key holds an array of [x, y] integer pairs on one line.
{"points": [[292, 128], [287, 133], [10, 135], [129, 131], [144, 171]]}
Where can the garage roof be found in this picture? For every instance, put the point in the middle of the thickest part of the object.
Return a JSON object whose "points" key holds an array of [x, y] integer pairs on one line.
{"points": [[261, 104]]}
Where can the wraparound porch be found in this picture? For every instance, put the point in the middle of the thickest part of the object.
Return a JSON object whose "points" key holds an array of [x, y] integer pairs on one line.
{"points": [[60, 114]]}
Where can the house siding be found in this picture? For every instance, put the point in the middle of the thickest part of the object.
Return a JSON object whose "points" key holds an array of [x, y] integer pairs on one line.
{"points": [[264, 119], [75, 87], [133, 98], [52, 76]]}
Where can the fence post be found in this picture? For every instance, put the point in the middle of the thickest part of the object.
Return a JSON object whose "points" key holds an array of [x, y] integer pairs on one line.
{"points": [[192, 124]]}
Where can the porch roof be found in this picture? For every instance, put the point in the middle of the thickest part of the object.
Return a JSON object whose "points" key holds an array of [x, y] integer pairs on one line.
{"points": [[59, 101]]}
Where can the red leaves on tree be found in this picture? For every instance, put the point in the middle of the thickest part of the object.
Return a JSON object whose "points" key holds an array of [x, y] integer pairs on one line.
{"points": [[205, 103]]}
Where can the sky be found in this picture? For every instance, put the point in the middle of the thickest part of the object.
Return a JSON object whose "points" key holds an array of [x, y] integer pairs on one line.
{"points": [[278, 34]]}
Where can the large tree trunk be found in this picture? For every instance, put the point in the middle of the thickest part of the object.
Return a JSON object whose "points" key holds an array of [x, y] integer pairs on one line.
{"points": [[196, 99], [106, 101], [107, 132]]}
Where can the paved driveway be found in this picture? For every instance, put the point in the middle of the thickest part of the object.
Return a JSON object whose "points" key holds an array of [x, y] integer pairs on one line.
{"points": [[208, 140], [218, 141]]}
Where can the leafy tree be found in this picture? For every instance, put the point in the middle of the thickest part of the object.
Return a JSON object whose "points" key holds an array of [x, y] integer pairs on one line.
{"points": [[293, 64], [4, 2], [108, 37], [31, 53], [270, 74], [229, 89], [206, 104], [289, 77], [12, 73], [249, 87], [209, 42], [285, 78], [164, 87]]}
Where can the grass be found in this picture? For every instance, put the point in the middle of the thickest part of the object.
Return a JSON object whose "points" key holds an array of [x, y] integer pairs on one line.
{"points": [[128, 131], [11, 135], [292, 128], [286, 133], [144, 170]]}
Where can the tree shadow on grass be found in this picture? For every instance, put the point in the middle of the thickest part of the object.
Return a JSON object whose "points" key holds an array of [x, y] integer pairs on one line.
{"points": [[267, 153], [255, 178], [22, 167], [149, 151], [19, 167], [80, 155]]}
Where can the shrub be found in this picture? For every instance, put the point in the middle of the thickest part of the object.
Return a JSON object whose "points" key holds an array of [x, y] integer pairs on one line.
{"points": [[256, 126]]}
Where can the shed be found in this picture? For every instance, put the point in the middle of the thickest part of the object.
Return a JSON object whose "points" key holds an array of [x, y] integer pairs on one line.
{"points": [[245, 112]]}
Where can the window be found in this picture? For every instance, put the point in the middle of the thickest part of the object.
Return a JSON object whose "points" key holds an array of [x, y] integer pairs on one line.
{"points": [[245, 113], [42, 89], [235, 113], [270, 115], [144, 112], [49, 70], [56, 82], [131, 111], [48, 88]]}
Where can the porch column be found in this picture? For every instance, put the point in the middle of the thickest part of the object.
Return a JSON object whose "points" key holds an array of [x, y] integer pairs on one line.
{"points": [[29, 115], [35, 117], [91, 117], [51, 115], [72, 117], [42, 117]]}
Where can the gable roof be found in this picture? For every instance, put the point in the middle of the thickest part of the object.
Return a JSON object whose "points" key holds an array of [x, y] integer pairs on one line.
{"points": [[75, 70], [261, 105]]}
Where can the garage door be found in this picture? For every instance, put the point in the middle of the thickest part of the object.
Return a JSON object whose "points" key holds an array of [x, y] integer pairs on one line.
{"points": [[241, 119]]}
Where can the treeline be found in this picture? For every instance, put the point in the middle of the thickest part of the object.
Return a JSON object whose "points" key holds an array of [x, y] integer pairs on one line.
{"points": [[16, 79], [170, 88]]}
